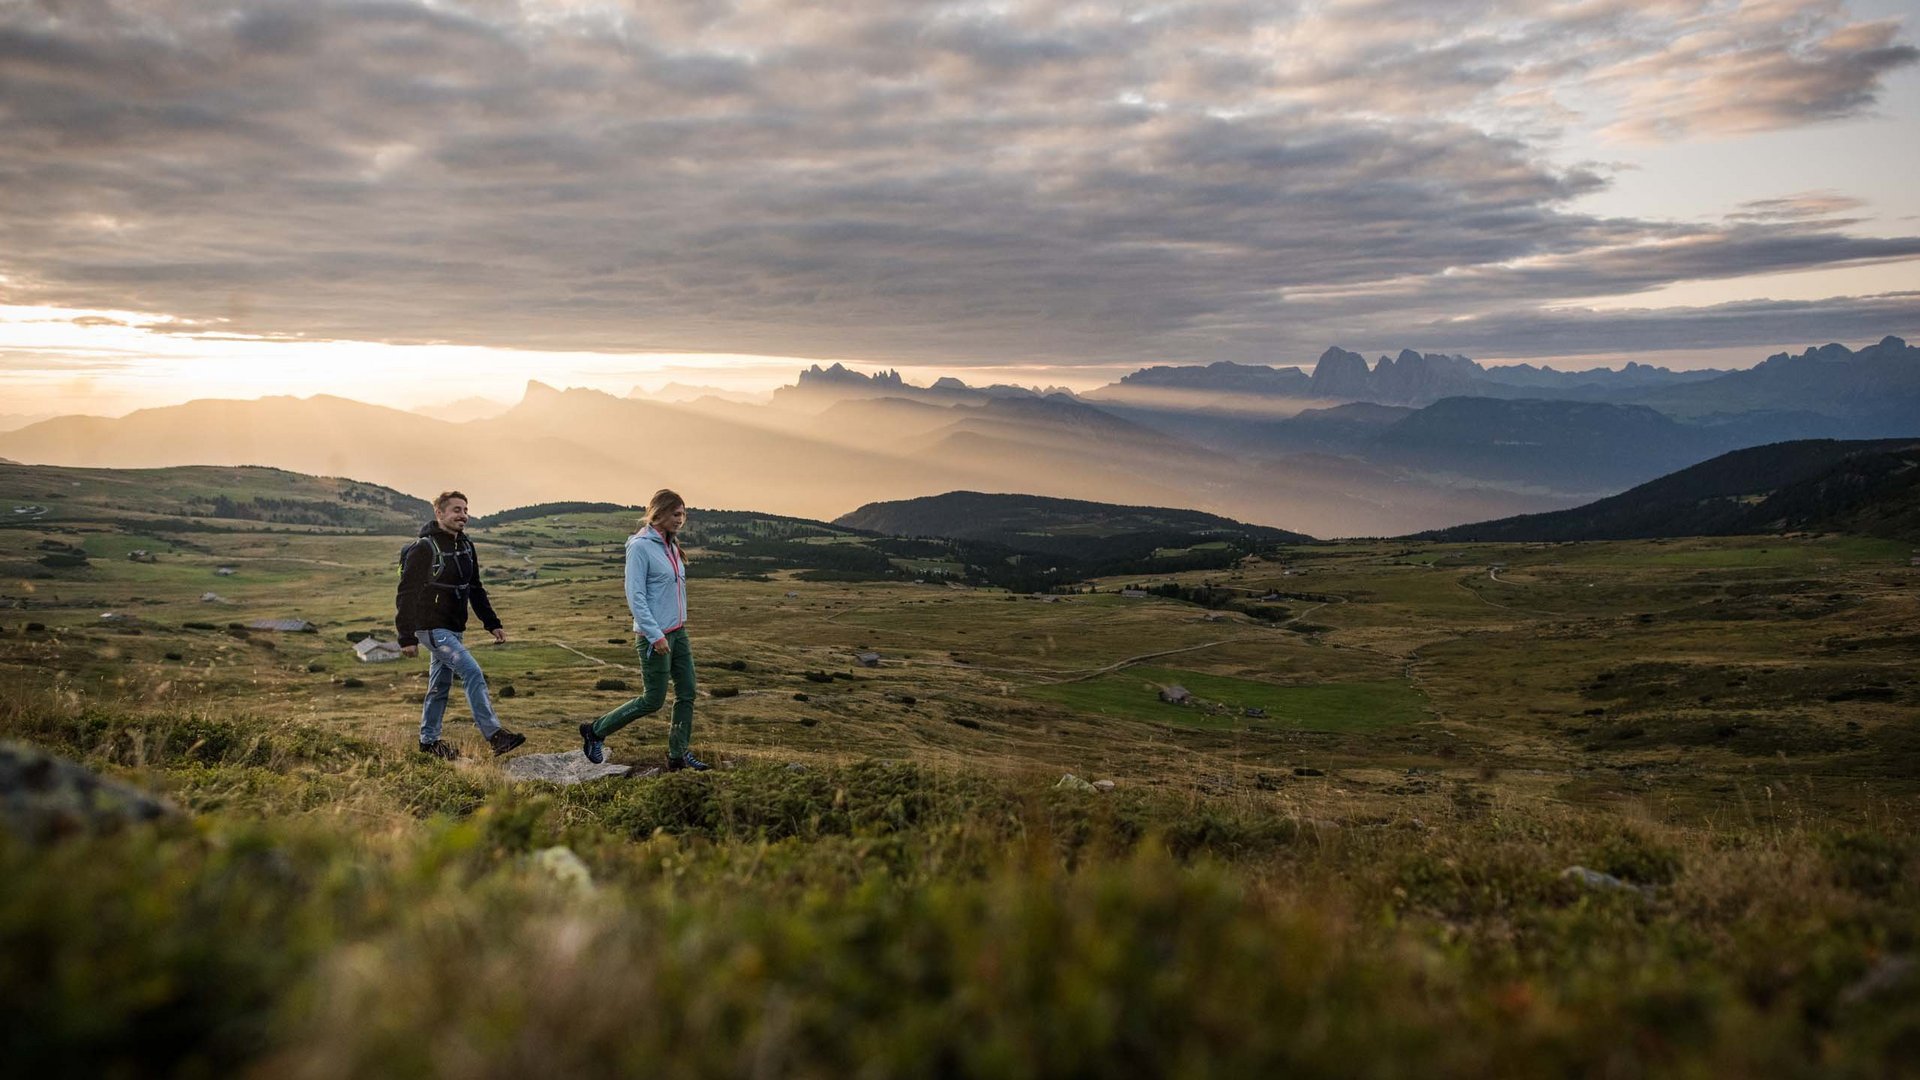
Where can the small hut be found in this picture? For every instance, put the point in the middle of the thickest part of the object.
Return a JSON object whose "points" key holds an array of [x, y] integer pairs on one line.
{"points": [[868, 659], [376, 652], [1175, 695]]}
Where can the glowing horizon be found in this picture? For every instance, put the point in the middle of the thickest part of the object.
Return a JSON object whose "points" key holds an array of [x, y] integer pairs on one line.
{"points": [[264, 201]]}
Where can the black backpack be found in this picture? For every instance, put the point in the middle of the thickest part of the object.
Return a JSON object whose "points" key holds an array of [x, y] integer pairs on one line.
{"points": [[439, 563]]}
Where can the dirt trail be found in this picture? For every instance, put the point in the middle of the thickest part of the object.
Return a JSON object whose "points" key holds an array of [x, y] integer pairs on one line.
{"points": [[585, 656]]}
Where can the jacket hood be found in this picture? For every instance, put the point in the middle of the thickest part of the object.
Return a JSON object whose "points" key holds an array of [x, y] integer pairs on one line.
{"points": [[432, 528]]}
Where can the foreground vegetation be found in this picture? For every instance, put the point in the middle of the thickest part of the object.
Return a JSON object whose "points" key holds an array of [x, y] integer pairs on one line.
{"points": [[336, 907]]}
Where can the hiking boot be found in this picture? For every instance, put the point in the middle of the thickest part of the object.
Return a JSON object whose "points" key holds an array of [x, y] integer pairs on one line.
{"points": [[442, 750], [592, 745], [504, 741], [687, 761]]}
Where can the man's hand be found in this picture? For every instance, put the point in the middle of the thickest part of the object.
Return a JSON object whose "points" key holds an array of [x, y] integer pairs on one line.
{"points": [[409, 651], [661, 646], [499, 636]]}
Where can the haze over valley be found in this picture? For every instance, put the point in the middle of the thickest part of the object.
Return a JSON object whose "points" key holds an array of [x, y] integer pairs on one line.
{"points": [[1350, 448]]}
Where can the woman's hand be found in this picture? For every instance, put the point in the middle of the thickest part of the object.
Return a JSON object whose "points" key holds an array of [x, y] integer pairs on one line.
{"points": [[660, 646]]}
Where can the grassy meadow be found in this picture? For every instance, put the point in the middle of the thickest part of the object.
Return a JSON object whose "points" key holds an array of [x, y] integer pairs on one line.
{"points": [[1365, 876]]}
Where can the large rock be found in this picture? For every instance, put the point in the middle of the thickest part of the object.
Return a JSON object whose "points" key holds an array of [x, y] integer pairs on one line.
{"points": [[570, 768], [565, 868], [44, 796], [1595, 879]]}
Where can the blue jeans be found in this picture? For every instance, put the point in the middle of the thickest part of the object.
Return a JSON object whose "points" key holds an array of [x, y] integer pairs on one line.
{"points": [[447, 658]]}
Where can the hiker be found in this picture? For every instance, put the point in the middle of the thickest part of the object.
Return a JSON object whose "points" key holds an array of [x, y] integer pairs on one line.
{"points": [[439, 577], [657, 595]]}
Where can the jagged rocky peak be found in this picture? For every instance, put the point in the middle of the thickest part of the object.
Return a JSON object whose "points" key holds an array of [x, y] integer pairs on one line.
{"points": [[842, 375], [1337, 357], [538, 391], [1340, 373]]}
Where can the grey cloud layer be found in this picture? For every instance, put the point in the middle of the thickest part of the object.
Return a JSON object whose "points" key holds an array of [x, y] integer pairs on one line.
{"points": [[924, 182]]}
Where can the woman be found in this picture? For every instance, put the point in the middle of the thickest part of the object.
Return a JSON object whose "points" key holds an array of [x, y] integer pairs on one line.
{"points": [[657, 595]]}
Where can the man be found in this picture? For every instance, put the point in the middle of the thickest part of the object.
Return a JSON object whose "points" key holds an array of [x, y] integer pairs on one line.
{"points": [[439, 577]]}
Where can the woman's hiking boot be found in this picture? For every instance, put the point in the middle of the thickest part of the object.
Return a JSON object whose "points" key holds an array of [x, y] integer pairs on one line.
{"points": [[504, 741], [687, 761], [592, 745], [443, 750]]}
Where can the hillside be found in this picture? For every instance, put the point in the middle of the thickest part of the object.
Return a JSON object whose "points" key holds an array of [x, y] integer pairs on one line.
{"points": [[205, 495], [1865, 486], [1096, 533], [1634, 809]]}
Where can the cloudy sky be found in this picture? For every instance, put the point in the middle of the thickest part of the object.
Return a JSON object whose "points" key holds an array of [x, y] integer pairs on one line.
{"points": [[408, 200]]}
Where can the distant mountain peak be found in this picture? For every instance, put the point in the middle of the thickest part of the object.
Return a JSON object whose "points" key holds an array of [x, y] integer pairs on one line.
{"points": [[538, 391], [842, 375]]}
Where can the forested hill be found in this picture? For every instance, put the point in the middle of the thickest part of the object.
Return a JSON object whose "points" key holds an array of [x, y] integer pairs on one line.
{"points": [[1863, 486], [1073, 527]]}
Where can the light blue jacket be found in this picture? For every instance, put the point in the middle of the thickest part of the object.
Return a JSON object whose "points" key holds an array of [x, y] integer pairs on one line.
{"points": [[656, 585]]}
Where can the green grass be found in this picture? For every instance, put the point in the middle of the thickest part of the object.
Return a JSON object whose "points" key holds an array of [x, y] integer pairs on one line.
{"points": [[1346, 707], [887, 882]]}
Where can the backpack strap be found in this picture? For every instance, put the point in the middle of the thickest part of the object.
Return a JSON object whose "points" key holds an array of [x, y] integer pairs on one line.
{"points": [[439, 562]]}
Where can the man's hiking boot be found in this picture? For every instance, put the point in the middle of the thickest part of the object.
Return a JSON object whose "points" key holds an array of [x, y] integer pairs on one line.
{"points": [[688, 761], [443, 750], [504, 741], [592, 745]]}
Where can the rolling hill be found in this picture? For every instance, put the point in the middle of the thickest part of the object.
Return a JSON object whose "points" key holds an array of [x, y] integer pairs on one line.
{"points": [[1102, 535], [1864, 486], [204, 496]]}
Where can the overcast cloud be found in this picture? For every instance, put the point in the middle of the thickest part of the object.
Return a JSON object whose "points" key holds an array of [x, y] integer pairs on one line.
{"points": [[916, 183]]}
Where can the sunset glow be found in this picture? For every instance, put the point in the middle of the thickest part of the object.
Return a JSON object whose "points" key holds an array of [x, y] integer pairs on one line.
{"points": [[264, 201]]}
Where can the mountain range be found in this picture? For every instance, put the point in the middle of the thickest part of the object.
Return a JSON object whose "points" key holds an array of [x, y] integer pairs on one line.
{"points": [[1263, 444]]}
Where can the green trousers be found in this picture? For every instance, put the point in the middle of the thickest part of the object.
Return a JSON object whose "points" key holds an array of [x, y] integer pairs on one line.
{"points": [[655, 671]]}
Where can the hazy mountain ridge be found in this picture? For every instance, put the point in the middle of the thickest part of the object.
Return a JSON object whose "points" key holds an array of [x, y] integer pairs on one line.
{"points": [[838, 381], [1567, 445], [1410, 378], [1530, 428], [839, 438], [588, 445], [1865, 486], [1871, 393]]}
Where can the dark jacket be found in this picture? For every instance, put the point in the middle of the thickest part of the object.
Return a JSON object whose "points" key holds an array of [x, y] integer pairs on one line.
{"points": [[429, 601]]}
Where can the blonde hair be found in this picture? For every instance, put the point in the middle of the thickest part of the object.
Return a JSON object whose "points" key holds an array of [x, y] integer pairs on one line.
{"points": [[448, 496], [664, 502]]}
